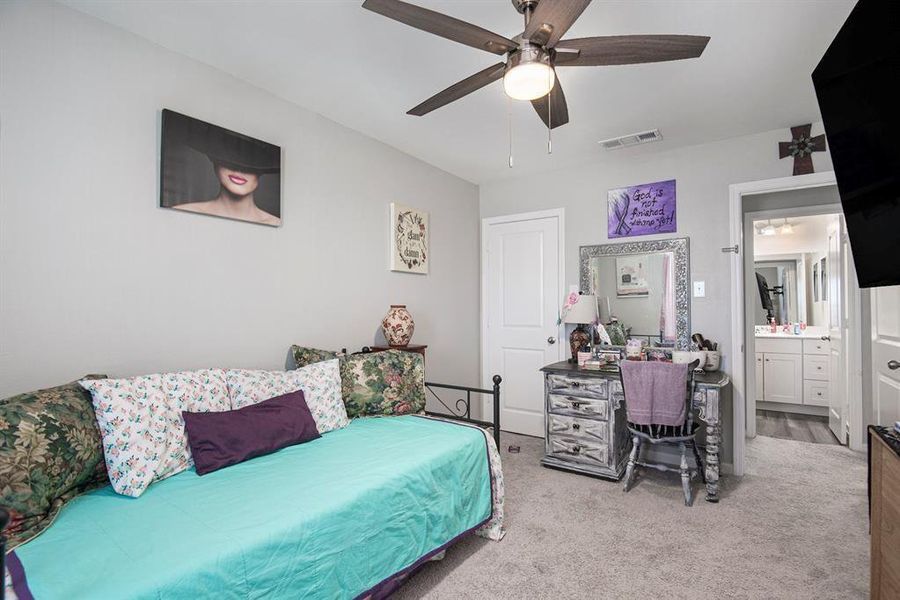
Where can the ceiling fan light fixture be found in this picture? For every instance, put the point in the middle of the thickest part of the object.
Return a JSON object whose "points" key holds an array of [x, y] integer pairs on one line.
{"points": [[529, 75]]}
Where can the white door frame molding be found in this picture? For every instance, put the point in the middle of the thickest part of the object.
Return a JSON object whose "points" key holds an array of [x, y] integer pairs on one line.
{"points": [[560, 214], [736, 192], [749, 250]]}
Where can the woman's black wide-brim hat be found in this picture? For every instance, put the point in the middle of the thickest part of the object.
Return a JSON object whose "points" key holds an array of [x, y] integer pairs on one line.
{"points": [[223, 147]]}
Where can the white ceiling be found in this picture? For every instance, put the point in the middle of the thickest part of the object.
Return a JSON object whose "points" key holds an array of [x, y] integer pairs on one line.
{"points": [[365, 71], [810, 235]]}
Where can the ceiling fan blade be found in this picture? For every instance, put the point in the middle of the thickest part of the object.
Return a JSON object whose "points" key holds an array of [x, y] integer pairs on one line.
{"points": [[559, 110], [460, 89], [552, 19], [442, 25], [630, 49]]}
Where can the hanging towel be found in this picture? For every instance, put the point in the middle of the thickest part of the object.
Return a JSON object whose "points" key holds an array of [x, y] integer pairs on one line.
{"points": [[655, 392]]}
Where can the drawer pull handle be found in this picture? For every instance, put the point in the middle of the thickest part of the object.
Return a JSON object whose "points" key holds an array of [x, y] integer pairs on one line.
{"points": [[818, 393], [576, 384], [819, 368], [576, 405], [576, 426], [576, 449]]}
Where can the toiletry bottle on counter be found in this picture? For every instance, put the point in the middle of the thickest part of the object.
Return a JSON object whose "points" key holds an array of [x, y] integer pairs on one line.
{"points": [[773, 327], [584, 355], [796, 328]]}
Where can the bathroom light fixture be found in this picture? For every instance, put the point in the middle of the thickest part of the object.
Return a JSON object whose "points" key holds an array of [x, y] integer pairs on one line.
{"points": [[529, 75], [786, 228], [769, 229]]}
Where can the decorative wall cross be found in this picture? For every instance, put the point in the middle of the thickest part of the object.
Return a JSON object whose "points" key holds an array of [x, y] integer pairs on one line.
{"points": [[801, 148]]}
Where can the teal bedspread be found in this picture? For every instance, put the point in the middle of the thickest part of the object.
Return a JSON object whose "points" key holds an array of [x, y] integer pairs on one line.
{"points": [[333, 518]]}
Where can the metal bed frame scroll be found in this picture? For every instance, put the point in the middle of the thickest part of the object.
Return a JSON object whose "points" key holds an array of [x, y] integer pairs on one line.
{"points": [[463, 410]]}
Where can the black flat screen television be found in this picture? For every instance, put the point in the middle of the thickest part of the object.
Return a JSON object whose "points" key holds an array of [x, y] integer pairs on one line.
{"points": [[856, 83]]}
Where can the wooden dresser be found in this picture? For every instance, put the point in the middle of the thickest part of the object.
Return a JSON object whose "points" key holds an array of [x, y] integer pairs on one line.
{"points": [[585, 421], [884, 508], [586, 428]]}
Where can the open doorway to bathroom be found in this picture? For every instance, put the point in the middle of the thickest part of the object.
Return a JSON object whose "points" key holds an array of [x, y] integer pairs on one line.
{"points": [[802, 323], [772, 201], [792, 309]]}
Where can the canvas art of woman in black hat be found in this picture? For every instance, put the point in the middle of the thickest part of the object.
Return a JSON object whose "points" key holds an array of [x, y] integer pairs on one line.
{"points": [[210, 170]]}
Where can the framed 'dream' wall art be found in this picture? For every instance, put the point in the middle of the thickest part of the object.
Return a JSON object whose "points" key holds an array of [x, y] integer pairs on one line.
{"points": [[409, 239], [211, 170], [631, 280]]}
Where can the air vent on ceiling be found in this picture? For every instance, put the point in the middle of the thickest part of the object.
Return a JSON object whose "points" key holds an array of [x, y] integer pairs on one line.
{"points": [[631, 139]]}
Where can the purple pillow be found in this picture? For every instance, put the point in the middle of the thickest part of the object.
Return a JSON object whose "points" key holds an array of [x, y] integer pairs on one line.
{"points": [[220, 439]]}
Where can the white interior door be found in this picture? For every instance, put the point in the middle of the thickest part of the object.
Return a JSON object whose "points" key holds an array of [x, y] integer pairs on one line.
{"points": [[886, 354], [837, 399], [522, 280]]}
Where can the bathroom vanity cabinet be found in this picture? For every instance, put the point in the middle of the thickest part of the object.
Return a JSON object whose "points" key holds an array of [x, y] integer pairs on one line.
{"points": [[792, 370]]}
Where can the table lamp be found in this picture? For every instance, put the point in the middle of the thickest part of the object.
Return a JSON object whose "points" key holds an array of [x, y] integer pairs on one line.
{"points": [[583, 312]]}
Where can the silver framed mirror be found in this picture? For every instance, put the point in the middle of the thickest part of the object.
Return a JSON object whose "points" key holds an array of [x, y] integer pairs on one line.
{"points": [[642, 289]]}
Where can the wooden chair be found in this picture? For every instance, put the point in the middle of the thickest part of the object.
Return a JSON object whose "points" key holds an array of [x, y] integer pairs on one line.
{"points": [[683, 435]]}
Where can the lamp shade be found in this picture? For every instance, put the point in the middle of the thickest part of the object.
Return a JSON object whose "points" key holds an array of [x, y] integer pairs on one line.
{"points": [[583, 311]]}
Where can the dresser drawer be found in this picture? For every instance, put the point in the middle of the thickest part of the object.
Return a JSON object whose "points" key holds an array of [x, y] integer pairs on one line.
{"points": [[578, 406], [577, 449], [815, 367], [583, 428], [815, 393], [816, 347], [577, 386]]}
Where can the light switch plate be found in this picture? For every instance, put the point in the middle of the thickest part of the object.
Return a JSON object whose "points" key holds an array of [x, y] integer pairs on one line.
{"points": [[699, 289]]}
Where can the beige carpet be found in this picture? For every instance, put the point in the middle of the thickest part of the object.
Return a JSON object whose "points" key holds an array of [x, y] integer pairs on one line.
{"points": [[794, 527]]}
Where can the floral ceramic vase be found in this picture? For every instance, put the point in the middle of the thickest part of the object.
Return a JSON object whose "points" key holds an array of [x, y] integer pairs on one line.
{"points": [[398, 326]]}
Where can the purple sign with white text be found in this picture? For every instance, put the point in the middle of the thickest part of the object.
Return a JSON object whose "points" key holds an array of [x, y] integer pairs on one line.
{"points": [[641, 209]]}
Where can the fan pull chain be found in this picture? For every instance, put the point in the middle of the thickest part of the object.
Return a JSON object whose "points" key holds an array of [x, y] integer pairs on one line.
{"points": [[509, 122], [549, 123]]}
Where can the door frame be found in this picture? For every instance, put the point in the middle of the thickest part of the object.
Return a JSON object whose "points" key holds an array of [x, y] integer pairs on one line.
{"points": [[486, 223], [736, 191], [749, 250]]}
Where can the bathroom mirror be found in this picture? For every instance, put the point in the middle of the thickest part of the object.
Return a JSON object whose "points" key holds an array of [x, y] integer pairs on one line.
{"points": [[641, 290], [783, 281]]}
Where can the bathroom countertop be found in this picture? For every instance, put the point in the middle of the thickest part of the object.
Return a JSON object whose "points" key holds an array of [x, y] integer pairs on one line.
{"points": [[804, 335]]}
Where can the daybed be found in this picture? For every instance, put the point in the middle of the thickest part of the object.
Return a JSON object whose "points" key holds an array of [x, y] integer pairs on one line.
{"points": [[348, 515]]}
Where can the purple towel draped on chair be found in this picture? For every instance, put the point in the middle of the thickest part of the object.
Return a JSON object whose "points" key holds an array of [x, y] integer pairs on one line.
{"points": [[655, 392]]}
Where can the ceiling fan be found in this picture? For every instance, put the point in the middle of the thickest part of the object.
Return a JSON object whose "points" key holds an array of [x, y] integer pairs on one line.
{"points": [[529, 72]]}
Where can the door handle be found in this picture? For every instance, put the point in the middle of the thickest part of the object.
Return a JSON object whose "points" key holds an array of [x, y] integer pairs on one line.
{"points": [[551, 340], [826, 338], [893, 365]]}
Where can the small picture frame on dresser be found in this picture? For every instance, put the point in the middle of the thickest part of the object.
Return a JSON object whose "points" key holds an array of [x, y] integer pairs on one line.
{"points": [[610, 357]]}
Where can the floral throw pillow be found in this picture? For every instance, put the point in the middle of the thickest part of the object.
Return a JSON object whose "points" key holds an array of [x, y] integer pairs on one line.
{"points": [[320, 382], [306, 356], [50, 452], [391, 382], [142, 427]]}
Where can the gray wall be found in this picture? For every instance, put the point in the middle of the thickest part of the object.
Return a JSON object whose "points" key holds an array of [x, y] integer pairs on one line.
{"points": [[818, 196], [94, 277], [703, 174]]}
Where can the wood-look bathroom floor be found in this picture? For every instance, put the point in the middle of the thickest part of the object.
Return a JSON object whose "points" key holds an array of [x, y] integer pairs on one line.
{"points": [[791, 426]]}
